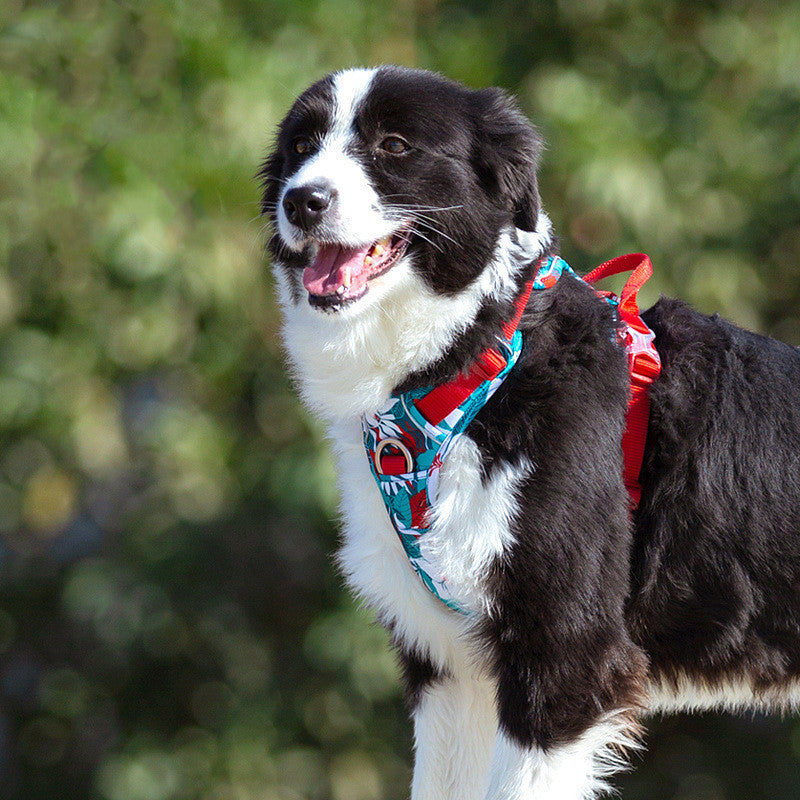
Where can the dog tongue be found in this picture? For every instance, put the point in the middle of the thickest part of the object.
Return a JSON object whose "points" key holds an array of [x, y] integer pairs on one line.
{"points": [[327, 272]]}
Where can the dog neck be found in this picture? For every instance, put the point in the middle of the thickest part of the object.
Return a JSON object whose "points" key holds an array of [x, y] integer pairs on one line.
{"points": [[349, 363]]}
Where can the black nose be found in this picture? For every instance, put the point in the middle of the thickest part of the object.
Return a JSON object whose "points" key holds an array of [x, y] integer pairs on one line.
{"points": [[306, 205]]}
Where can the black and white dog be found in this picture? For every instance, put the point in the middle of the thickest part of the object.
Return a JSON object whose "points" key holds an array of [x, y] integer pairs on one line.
{"points": [[407, 221]]}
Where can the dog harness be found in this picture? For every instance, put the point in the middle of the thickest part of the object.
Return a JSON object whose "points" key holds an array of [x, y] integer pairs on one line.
{"points": [[409, 438]]}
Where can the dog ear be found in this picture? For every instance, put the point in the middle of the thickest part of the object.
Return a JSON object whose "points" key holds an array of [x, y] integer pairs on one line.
{"points": [[507, 155]]}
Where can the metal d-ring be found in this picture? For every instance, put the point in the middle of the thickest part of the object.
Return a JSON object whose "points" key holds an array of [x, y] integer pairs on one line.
{"points": [[392, 442]]}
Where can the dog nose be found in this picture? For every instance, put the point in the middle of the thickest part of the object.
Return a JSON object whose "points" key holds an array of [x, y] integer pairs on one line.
{"points": [[306, 205]]}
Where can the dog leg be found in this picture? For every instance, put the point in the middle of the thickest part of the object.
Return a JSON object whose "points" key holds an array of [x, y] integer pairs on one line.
{"points": [[565, 722], [454, 732], [455, 725], [574, 771]]}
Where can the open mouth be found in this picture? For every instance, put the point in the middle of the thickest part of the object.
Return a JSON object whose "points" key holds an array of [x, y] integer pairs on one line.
{"points": [[340, 274]]}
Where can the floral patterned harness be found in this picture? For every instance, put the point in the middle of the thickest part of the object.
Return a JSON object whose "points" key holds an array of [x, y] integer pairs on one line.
{"points": [[409, 438]]}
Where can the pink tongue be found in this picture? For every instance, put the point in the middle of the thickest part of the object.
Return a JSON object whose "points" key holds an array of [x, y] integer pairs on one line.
{"points": [[327, 273]]}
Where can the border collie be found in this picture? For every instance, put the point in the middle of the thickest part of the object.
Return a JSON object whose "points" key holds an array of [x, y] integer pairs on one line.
{"points": [[406, 223]]}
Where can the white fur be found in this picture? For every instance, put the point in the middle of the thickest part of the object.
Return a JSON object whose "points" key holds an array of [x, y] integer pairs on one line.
{"points": [[470, 524], [575, 771], [454, 731], [349, 362], [690, 696]]}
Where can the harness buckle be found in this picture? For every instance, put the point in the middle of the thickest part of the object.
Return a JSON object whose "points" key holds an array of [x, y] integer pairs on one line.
{"points": [[646, 367], [644, 361]]}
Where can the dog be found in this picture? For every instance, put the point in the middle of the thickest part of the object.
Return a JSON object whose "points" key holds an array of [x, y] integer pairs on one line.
{"points": [[407, 223]]}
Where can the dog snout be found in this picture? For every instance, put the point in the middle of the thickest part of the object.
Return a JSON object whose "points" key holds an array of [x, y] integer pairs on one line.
{"points": [[305, 206]]}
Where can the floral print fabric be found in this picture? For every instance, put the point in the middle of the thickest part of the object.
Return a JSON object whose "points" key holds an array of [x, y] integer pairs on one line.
{"points": [[409, 497]]}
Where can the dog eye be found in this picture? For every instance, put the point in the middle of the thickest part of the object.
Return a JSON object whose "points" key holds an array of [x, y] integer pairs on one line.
{"points": [[394, 145], [302, 145]]}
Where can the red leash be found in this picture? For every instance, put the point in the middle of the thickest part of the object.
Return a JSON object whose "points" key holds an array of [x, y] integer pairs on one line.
{"points": [[643, 361]]}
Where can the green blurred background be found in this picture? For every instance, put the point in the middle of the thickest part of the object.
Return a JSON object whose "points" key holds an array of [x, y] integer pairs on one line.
{"points": [[171, 626]]}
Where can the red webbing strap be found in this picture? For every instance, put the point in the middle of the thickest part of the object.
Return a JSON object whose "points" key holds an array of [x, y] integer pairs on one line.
{"points": [[444, 399], [643, 360], [392, 465], [510, 327], [641, 269]]}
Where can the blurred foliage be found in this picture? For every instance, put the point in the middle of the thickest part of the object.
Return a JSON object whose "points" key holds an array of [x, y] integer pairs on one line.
{"points": [[171, 627]]}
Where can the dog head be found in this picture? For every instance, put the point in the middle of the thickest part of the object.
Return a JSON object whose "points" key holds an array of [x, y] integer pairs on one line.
{"points": [[376, 173]]}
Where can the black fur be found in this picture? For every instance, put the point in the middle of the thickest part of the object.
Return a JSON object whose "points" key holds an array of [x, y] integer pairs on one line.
{"points": [[559, 644], [591, 604], [474, 155], [715, 585], [418, 673]]}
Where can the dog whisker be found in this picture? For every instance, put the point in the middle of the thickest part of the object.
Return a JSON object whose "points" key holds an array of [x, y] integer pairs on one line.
{"points": [[528, 529], [422, 220], [429, 241], [416, 207], [431, 228]]}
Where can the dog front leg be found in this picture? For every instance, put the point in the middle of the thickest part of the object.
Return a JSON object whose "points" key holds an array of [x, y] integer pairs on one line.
{"points": [[573, 771], [455, 726], [454, 733], [567, 699]]}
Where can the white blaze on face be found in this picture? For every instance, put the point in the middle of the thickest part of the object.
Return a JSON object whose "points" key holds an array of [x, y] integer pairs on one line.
{"points": [[355, 217]]}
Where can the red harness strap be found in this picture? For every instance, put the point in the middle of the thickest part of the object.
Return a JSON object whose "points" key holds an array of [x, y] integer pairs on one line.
{"points": [[444, 399], [643, 361]]}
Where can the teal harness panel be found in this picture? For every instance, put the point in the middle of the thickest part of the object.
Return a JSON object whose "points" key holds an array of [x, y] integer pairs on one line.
{"points": [[409, 496]]}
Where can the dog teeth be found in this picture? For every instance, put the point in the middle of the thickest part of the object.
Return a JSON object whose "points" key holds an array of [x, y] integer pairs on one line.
{"points": [[346, 280], [368, 261], [340, 290], [378, 250]]}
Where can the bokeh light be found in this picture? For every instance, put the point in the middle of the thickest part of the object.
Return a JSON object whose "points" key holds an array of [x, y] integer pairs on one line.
{"points": [[171, 624]]}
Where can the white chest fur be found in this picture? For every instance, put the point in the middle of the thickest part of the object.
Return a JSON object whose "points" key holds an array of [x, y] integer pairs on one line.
{"points": [[470, 527], [347, 364]]}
